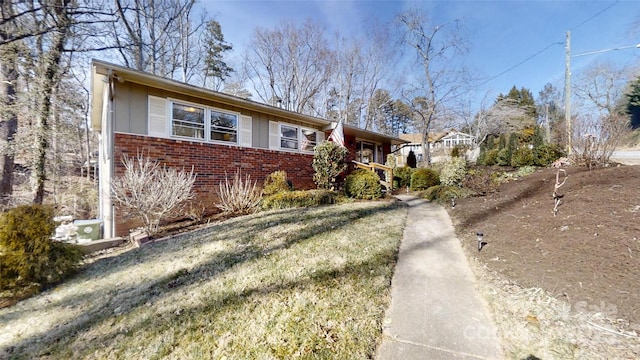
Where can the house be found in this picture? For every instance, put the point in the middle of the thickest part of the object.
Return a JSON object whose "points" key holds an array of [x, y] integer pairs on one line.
{"points": [[184, 126], [440, 144]]}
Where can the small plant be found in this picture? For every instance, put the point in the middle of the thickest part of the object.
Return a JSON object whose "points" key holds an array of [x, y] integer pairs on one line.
{"points": [[363, 184], [424, 178], [239, 196], [545, 155], [522, 157], [328, 163], [28, 256], [491, 157], [444, 194], [480, 182], [276, 182], [150, 192], [293, 199], [453, 172], [403, 176]]}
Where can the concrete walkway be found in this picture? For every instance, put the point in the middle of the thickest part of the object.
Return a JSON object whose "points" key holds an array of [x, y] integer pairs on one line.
{"points": [[436, 311]]}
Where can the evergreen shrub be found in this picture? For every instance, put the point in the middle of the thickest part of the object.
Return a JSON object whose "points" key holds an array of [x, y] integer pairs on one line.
{"points": [[28, 255], [424, 178], [276, 182], [403, 176], [453, 172], [491, 157], [363, 184], [444, 194], [522, 157], [545, 155], [294, 199]]}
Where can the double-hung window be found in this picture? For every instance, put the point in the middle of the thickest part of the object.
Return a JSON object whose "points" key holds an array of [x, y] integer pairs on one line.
{"points": [[189, 121], [224, 126], [288, 137], [309, 140]]}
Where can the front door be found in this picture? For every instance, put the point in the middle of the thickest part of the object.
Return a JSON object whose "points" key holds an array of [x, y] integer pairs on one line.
{"points": [[365, 152]]}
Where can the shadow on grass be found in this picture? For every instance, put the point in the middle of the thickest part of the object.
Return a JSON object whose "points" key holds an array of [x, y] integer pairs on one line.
{"points": [[105, 300]]}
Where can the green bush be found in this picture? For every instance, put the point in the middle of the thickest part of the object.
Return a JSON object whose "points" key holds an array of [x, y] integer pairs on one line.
{"points": [[403, 176], [293, 199], [491, 157], [504, 157], [363, 184], [28, 256], [545, 155], [444, 193], [522, 157], [424, 178], [453, 172], [328, 163], [276, 182]]}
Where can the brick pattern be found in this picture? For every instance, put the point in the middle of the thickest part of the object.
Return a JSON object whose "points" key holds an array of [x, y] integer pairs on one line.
{"points": [[212, 163]]}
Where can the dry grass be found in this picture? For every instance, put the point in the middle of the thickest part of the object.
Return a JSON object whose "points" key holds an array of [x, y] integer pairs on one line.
{"points": [[532, 324], [301, 283]]}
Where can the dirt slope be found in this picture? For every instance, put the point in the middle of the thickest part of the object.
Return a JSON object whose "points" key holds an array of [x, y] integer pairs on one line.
{"points": [[589, 254]]}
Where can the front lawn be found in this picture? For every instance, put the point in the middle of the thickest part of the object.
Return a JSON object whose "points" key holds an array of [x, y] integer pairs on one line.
{"points": [[308, 283]]}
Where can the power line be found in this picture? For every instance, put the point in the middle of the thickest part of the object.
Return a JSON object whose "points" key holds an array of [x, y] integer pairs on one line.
{"points": [[546, 47]]}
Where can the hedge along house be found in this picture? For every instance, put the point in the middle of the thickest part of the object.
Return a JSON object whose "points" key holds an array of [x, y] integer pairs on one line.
{"points": [[184, 126]]}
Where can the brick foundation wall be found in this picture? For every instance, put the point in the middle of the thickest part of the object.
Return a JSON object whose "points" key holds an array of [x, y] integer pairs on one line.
{"points": [[210, 162]]}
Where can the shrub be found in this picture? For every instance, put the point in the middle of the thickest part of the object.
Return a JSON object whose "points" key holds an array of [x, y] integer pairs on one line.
{"points": [[453, 172], [238, 196], [480, 182], [545, 155], [424, 178], [28, 256], [455, 152], [522, 157], [293, 199], [403, 176], [276, 182], [491, 157], [412, 161], [328, 163], [504, 157], [150, 192], [443, 193], [363, 184]]}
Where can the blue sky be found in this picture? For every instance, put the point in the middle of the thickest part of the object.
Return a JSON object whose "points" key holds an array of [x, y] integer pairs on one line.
{"points": [[502, 34]]}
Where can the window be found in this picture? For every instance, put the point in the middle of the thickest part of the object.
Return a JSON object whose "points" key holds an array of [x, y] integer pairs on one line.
{"points": [[224, 126], [188, 121], [309, 140], [288, 137]]}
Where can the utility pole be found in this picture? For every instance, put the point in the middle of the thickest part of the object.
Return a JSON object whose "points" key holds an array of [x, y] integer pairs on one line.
{"points": [[567, 92]]}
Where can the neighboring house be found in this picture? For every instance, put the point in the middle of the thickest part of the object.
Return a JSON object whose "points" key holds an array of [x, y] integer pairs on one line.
{"points": [[439, 143], [184, 126]]}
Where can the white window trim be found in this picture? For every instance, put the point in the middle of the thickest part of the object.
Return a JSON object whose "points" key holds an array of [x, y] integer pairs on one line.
{"points": [[280, 137], [207, 122]]}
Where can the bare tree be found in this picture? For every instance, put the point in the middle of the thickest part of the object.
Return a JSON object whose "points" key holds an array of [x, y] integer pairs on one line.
{"points": [[437, 49], [600, 123], [289, 65]]}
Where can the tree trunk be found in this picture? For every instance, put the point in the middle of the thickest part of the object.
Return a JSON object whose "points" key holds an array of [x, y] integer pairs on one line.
{"points": [[50, 77], [8, 114], [8, 120]]}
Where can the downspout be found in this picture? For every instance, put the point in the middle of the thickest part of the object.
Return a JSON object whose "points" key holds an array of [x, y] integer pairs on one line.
{"points": [[106, 158]]}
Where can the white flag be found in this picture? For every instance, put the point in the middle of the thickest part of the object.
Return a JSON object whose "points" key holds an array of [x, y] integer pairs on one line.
{"points": [[337, 135]]}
